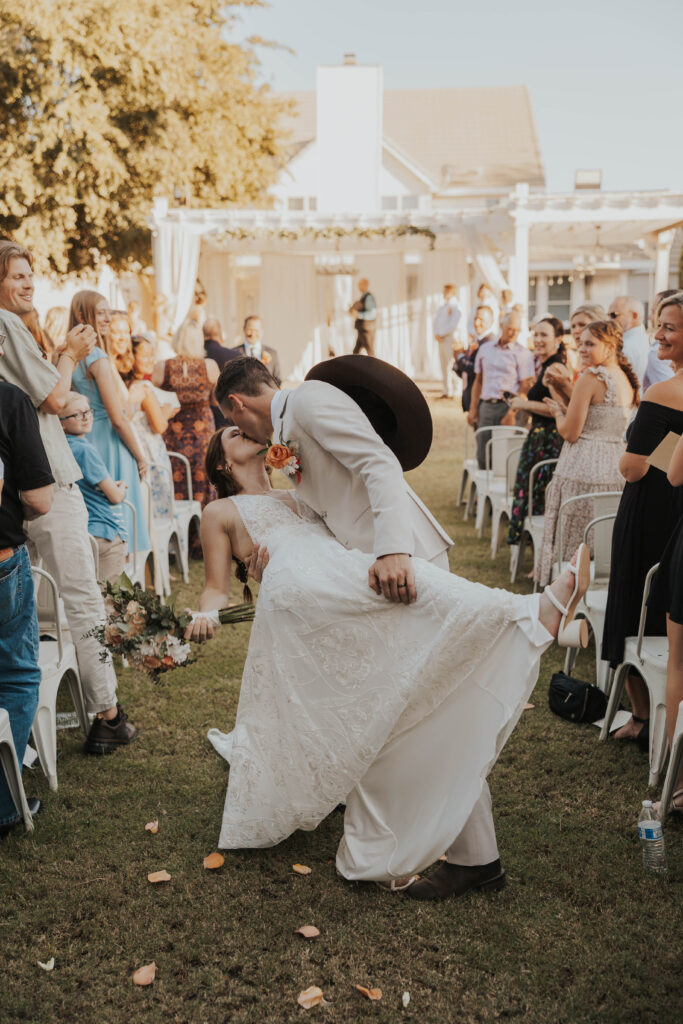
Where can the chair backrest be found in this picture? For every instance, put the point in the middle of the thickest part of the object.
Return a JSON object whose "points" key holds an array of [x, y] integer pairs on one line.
{"points": [[643, 606], [165, 472], [55, 622], [535, 469], [188, 472], [500, 449], [602, 528], [511, 466], [603, 502], [495, 432]]}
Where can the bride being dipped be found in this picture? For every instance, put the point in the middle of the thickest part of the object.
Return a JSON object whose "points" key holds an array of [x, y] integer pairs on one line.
{"points": [[390, 690]]}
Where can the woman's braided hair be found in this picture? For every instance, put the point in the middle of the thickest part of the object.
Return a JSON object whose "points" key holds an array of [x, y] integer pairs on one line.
{"points": [[609, 333]]}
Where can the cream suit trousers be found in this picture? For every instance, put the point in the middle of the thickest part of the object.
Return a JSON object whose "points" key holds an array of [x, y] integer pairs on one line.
{"points": [[61, 539]]}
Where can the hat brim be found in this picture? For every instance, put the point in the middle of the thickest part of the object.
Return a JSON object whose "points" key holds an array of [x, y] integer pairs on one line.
{"points": [[392, 402]]}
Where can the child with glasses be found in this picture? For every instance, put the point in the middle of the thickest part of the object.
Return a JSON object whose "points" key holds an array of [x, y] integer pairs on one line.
{"points": [[102, 495]]}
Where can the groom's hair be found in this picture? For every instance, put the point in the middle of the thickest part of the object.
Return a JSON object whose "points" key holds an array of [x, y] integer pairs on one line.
{"points": [[245, 376]]}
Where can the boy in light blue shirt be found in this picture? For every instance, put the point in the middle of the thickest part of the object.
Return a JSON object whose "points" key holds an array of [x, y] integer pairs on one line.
{"points": [[102, 495]]}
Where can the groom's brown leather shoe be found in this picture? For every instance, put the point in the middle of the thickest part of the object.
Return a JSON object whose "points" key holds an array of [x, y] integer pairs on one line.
{"points": [[456, 880]]}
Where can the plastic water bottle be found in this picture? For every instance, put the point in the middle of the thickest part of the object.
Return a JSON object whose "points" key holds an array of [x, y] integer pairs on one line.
{"points": [[651, 840]]}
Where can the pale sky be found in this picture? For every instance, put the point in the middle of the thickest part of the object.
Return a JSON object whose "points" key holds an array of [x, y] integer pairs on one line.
{"points": [[605, 76]]}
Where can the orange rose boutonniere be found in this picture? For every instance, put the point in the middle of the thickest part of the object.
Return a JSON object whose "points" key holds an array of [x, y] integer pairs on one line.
{"points": [[266, 357], [284, 455]]}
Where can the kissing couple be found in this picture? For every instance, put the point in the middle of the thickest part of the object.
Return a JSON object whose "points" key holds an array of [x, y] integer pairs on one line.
{"points": [[374, 676]]}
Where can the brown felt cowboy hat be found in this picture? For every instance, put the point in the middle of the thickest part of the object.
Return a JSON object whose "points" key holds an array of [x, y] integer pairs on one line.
{"points": [[391, 401]]}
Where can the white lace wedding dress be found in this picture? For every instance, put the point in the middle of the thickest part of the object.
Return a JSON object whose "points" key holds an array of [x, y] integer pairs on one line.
{"points": [[397, 711]]}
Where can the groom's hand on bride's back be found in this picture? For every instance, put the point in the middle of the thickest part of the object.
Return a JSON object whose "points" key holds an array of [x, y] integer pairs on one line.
{"points": [[392, 575]]}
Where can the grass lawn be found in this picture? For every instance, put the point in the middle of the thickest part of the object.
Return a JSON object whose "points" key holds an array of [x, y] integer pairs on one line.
{"points": [[579, 934]]}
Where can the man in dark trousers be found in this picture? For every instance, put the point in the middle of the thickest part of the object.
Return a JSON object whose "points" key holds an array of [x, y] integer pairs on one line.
{"points": [[365, 311], [215, 348]]}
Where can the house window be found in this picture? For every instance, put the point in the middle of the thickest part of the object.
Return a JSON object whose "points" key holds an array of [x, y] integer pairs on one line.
{"points": [[390, 202], [409, 203], [295, 203], [533, 301], [559, 299]]}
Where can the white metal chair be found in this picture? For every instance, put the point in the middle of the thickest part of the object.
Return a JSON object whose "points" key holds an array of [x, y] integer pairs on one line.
{"points": [[469, 468], [675, 761], [139, 565], [604, 504], [649, 655], [10, 765], [533, 525], [502, 441], [502, 498], [166, 533], [187, 511], [594, 603], [57, 662]]}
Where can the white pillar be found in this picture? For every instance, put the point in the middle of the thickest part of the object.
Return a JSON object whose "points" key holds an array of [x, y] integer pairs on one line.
{"points": [[519, 264], [664, 243], [578, 292], [541, 294]]}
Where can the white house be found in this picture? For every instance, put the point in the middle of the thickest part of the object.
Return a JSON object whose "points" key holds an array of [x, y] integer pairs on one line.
{"points": [[412, 189]]}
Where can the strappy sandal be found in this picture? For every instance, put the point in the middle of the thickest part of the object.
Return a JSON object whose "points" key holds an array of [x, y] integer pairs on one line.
{"points": [[642, 737], [675, 804], [573, 632], [398, 884]]}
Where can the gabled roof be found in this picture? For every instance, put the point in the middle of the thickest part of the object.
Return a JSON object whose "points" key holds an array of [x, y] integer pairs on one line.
{"points": [[477, 137]]}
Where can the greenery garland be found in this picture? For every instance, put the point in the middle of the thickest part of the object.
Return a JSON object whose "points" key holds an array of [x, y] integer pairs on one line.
{"points": [[330, 233]]}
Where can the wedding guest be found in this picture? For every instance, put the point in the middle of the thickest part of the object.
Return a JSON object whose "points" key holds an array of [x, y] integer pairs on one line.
{"points": [[137, 324], [464, 363], [592, 426], [628, 312], [162, 318], [446, 321], [57, 325], [32, 322], [648, 514], [657, 369], [150, 421], [61, 535], [667, 596], [27, 492], [561, 375], [485, 297], [507, 300], [252, 345], [364, 309], [119, 349], [112, 433], [543, 440], [101, 494], [215, 348], [502, 369], [192, 377]]}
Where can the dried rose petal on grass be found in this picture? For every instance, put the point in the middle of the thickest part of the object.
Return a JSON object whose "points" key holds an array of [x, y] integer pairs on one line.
{"points": [[159, 876], [370, 993], [309, 931], [145, 975], [49, 966], [312, 996], [152, 826], [213, 861], [301, 869]]}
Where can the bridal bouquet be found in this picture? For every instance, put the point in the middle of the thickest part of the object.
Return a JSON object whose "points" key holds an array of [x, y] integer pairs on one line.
{"points": [[147, 632]]}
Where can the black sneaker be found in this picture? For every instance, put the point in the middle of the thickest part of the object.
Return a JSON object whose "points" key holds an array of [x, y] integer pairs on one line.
{"points": [[106, 737]]}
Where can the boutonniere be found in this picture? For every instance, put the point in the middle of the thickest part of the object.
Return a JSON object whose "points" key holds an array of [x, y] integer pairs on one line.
{"points": [[266, 357], [284, 455]]}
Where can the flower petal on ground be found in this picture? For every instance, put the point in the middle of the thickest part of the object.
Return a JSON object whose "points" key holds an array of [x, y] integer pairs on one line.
{"points": [[370, 993], [213, 861], [152, 826], [159, 876], [527, 707], [49, 965], [301, 869], [145, 975], [309, 931], [312, 996], [405, 998]]}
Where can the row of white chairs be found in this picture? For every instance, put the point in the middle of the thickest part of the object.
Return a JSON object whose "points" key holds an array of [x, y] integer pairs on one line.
{"points": [[492, 491]]}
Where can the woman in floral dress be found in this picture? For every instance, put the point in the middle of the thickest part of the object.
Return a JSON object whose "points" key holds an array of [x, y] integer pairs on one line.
{"points": [[543, 440]]}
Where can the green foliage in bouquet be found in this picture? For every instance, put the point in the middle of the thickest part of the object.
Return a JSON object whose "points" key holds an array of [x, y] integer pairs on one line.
{"points": [[147, 632]]}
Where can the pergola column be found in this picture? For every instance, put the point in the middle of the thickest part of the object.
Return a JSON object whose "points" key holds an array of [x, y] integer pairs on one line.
{"points": [[664, 243], [519, 263]]}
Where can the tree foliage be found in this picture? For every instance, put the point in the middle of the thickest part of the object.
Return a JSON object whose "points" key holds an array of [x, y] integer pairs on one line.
{"points": [[107, 104]]}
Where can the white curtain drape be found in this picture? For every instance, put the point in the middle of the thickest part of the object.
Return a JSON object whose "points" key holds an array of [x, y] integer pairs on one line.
{"points": [[216, 274], [176, 260], [484, 261], [289, 312]]}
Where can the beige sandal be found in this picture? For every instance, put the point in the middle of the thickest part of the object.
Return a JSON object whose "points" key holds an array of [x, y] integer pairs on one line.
{"points": [[398, 884]]}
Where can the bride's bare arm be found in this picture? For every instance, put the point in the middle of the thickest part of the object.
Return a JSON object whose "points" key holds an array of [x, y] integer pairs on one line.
{"points": [[217, 567]]}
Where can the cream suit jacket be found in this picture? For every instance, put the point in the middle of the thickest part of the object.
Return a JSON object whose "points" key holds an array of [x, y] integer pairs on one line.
{"points": [[351, 478]]}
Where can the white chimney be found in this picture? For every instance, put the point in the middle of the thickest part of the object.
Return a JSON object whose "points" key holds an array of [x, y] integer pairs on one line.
{"points": [[349, 137]]}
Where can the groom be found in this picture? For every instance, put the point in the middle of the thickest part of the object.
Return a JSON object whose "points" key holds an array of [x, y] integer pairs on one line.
{"points": [[355, 482]]}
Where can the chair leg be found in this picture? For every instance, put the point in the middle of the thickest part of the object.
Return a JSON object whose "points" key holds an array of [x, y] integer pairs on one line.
{"points": [[614, 699], [570, 660], [10, 765], [673, 771], [659, 746], [471, 500], [463, 486], [44, 731], [76, 691], [514, 561]]}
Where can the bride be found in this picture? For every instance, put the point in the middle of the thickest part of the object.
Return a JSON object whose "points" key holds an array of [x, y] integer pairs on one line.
{"points": [[399, 711]]}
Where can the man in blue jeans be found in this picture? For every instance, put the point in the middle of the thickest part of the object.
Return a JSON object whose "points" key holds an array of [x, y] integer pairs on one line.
{"points": [[26, 494]]}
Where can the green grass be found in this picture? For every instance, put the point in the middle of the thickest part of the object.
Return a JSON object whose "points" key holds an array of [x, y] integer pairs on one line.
{"points": [[579, 934]]}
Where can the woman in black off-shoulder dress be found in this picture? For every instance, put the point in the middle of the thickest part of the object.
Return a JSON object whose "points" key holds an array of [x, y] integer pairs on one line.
{"points": [[648, 513]]}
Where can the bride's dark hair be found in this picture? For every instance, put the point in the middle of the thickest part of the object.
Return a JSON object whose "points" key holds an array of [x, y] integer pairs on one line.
{"points": [[226, 486]]}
